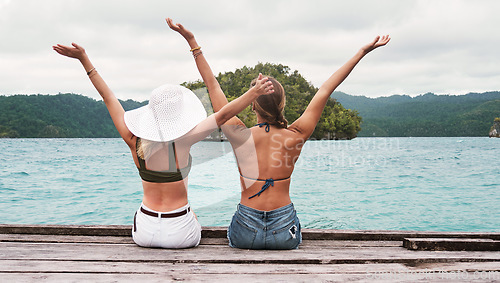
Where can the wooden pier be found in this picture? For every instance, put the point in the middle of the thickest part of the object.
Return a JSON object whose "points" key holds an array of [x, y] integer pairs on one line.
{"points": [[60, 253]]}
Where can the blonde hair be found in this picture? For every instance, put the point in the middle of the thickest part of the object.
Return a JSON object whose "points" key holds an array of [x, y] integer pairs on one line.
{"points": [[146, 148]]}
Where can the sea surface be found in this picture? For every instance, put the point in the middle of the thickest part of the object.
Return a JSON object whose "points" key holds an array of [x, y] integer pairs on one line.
{"points": [[422, 184]]}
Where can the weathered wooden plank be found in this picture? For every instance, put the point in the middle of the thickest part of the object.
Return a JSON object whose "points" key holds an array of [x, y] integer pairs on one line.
{"points": [[446, 244], [306, 244], [147, 271], [34, 238], [190, 277], [91, 230], [382, 235], [54, 266], [204, 241], [79, 230], [214, 232], [457, 266], [84, 253], [221, 232], [225, 254]]}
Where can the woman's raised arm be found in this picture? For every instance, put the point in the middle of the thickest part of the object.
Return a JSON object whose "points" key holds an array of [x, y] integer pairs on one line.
{"points": [[216, 94], [306, 123], [205, 127], [263, 86], [115, 109]]}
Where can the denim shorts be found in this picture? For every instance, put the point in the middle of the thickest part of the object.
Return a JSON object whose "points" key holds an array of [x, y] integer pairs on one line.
{"points": [[278, 229]]}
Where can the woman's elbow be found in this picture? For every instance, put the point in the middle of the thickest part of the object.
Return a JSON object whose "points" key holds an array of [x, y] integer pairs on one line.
{"points": [[221, 118]]}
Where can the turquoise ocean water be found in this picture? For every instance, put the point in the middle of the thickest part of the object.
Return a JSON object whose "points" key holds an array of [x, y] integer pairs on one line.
{"points": [[425, 184]]}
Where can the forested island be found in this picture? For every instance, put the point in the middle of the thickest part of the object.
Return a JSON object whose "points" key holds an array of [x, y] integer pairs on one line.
{"points": [[71, 115], [336, 122], [495, 129]]}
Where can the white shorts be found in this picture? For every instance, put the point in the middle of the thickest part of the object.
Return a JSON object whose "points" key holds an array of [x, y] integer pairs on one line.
{"points": [[172, 233]]}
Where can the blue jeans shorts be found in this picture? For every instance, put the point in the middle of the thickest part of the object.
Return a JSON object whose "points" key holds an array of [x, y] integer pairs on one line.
{"points": [[277, 229]]}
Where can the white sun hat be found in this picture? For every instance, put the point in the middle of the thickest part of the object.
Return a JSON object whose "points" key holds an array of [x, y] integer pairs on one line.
{"points": [[172, 111]]}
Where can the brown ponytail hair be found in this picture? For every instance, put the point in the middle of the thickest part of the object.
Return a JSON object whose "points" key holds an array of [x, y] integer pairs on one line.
{"points": [[270, 106]]}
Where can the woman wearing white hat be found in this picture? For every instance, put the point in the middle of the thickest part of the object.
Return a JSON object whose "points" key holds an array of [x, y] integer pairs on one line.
{"points": [[160, 136]]}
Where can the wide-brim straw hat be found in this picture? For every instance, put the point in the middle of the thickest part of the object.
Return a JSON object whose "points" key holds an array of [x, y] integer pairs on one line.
{"points": [[172, 111]]}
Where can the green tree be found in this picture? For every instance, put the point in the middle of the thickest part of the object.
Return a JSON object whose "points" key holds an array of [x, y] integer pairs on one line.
{"points": [[336, 122]]}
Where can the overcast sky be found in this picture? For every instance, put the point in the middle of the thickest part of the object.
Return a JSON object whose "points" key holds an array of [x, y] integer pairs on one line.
{"points": [[445, 46]]}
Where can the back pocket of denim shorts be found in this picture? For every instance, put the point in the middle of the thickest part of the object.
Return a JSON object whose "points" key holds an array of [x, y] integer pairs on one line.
{"points": [[288, 237], [240, 235]]}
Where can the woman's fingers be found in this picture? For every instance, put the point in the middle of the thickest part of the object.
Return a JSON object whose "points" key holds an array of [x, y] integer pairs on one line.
{"points": [[383, 40], [74, 52], [265, 84], [59, 48], [176, 27], [171, 24], [270, 86], [376, 40]]}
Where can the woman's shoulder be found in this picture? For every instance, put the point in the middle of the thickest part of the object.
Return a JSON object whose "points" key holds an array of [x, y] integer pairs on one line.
{"points": [[292, 130]]}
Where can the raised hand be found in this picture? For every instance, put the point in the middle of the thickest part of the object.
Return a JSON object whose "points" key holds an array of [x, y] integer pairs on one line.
{"points": [[180, 29], [377, 42], [263, 85], [76, 51]]}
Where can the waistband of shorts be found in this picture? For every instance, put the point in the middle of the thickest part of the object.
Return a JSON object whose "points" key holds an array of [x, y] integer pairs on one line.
{"points": [[182, 208], [284, 210]]}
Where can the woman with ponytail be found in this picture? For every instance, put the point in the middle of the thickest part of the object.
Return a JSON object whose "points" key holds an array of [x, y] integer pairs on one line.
{"points": [[266, 154], [270, 107]]}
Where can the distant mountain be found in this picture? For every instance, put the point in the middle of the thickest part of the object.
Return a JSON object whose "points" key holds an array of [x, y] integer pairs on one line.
{"points": [[425, 115], [57, 116]]}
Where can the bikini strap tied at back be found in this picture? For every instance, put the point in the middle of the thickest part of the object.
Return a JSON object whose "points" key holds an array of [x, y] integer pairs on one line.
{"points": [[264, 124], [269, 182]]}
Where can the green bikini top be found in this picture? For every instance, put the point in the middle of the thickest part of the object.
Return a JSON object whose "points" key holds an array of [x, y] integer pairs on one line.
{"points": [[164, 176]]}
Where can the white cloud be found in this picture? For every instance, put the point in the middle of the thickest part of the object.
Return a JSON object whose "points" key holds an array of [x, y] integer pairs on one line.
{"points": [[438, 46]]}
